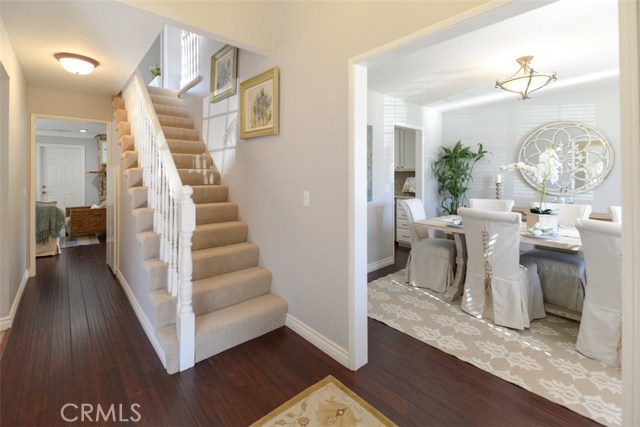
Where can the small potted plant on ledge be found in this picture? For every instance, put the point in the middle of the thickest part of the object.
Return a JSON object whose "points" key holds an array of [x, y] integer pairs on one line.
{"points": [[453, 170], [155, 75], [546, 171]]}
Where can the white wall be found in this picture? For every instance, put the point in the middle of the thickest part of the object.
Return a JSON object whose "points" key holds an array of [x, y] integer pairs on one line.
{"points": [[91, 192], [15, 176], [380, 214], [503, 127], [152, 58], [307, 248]]}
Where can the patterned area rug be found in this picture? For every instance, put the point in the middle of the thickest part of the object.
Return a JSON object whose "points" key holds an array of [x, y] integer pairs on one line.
{"points": [[79, 241], [542, 359], [326, 403]]}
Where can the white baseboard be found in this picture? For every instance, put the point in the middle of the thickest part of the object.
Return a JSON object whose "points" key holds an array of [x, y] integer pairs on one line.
{"points": [[377, 265], [7, 321], [314, 337], [142, 317]]}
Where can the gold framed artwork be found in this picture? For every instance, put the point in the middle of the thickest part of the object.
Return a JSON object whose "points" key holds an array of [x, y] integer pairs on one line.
{"points": [[224, 73], [260, 105]]}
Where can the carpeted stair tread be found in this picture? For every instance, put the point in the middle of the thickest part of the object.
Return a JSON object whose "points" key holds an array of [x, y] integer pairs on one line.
{"points": [[222, 329], [150, 243], [193, 161], [214, 293], [210, 193], [218, 292], [224, 259], [171, 132], [175, 121], [199, 176], [129, 159], [144, 219], [162, 91], [164, 312], [186, 146], [172, 101], [133, 177], [138, 197], [168, 340], [170, 110], [156, 273], [216, 212], [219, 234]]}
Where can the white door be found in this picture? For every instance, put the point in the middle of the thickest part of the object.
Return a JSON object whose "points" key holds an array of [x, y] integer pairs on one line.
{"points": [[61, 175]]}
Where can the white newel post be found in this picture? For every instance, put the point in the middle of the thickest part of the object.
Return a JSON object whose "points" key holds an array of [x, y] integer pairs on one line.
{"points": [[186, 318]]}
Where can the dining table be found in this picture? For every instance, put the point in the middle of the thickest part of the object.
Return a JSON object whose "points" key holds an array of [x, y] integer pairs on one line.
{"points": [[567, 239]]}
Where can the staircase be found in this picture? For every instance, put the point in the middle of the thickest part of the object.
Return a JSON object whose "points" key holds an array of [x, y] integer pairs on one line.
{"points": [[232, 299]]}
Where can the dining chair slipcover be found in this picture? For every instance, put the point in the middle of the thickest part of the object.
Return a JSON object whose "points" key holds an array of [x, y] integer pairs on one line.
{"points": [[431, 262], [616, 213], [497, 286], [600, 331], [562, 274], [498, 205]]}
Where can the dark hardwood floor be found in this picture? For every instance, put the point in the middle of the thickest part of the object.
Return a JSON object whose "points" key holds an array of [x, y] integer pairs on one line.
{"points": [[75, 341]]}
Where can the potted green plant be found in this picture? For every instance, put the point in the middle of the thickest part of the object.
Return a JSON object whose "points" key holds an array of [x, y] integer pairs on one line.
{"points": [[453, 171]]}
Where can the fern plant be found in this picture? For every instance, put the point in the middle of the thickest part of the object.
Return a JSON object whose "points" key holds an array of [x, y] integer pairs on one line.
{"points": [[453, 171]]}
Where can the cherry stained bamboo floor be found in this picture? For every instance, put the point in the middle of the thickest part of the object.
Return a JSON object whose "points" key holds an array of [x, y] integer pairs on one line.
{"points": [[76, 340]]}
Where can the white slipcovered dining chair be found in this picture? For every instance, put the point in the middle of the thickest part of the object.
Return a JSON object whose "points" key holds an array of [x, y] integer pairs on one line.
{"points": [[431, 262], [600, 331], [616, 213], [562, 274], [497, 286], [498, 205]]}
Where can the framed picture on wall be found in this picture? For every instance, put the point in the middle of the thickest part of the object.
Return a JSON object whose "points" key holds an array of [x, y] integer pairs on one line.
{"points": [[224, 73], [260, 105]]}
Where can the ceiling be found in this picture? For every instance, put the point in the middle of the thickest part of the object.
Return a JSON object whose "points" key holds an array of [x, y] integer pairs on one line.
{"points": [[577, 39], [69, 128], [105, 30]]}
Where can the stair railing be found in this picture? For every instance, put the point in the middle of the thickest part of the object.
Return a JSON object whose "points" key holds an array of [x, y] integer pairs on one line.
{"points": [[174, 211]]}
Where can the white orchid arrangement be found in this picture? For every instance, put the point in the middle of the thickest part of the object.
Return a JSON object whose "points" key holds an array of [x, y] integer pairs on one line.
{"points": [[547, 170]]}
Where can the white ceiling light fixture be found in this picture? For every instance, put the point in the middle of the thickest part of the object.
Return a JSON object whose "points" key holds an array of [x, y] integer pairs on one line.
{"points": [[526, 80], [76, 64]]}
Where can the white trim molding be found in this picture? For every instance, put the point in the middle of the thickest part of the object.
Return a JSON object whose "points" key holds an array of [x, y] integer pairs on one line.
{"points": [[316, 338], [377, 265], [144, 321], [7, 321], [629, 19]]}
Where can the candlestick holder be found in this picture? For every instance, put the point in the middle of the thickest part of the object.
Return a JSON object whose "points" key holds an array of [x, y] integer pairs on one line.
{"points": [[498, 190]]}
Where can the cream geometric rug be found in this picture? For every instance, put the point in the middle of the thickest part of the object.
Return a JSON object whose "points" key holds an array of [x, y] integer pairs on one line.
{"points": [[542, 359], [326, 403]]}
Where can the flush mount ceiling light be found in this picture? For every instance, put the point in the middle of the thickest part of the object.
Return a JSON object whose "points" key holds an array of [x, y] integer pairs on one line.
{"points": [[76, 64], [525, 80]]}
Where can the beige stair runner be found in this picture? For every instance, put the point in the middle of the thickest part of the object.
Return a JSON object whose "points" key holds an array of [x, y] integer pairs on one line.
{"points": [[232, 297]]}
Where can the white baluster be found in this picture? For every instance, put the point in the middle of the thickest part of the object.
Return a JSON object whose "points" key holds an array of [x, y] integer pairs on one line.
{"points": [[186, 318]]}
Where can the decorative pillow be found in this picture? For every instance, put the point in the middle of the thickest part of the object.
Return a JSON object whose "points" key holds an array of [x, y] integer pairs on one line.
{"points": [[54, 203]]}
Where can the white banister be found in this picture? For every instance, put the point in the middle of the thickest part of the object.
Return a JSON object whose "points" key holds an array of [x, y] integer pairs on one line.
{"points": [[174, 210], [185, 317]]}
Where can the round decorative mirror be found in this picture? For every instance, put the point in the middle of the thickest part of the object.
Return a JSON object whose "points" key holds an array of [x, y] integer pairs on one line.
{"points": [[585, 154]]}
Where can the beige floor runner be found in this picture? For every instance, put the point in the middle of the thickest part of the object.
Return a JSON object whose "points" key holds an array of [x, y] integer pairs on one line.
{"points": [[542, 359]]}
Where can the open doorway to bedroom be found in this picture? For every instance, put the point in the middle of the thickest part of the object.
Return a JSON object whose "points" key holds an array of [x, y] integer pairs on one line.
{"points": [[70, 182]]}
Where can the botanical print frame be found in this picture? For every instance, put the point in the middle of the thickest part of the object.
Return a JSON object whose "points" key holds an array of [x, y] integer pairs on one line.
{"points": [[224, 73], [260, 105]]}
